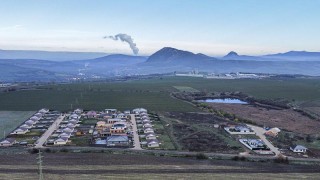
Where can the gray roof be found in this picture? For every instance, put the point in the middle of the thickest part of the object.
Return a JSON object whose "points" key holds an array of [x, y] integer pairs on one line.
{"points": [[153, 141], [296, 147]]}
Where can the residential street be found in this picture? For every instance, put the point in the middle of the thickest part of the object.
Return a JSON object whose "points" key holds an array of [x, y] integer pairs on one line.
{"points": [[136, 144], [260, 132], [48, 133]]}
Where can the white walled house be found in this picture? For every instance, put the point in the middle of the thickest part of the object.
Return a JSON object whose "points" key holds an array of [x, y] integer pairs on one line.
{"points": [[298, 149]]}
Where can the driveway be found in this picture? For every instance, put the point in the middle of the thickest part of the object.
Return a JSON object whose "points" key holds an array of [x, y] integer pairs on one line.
{"points": [[136, 140], [48, 133], [260, 132]]}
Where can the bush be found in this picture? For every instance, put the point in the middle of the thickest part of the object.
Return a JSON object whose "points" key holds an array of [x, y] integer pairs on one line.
{"points": [[281, 159], [64, 150], [236, 158], [201, 156], [33, 151], [47, 150]]}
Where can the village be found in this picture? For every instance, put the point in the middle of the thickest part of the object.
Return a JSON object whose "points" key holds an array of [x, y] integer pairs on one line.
{"points": [[115, 129], [109, 128]]}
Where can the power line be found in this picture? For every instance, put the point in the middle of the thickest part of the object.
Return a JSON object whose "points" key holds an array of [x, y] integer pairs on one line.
{"points": [[40, 167]]}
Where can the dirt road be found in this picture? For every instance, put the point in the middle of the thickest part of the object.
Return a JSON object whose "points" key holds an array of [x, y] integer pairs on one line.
{"points": [[260, 132]]}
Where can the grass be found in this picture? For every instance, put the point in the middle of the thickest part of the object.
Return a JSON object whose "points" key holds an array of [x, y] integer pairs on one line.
{"points": [[11, 119], [186, 89], [166, 142], [89, 121], [80, 140]]}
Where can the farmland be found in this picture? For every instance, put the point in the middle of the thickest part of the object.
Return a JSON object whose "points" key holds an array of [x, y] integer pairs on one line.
{"points": [[11, 119], [129, 166], [154, 94]]}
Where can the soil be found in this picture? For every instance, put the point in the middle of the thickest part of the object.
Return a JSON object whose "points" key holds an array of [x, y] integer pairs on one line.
{"points": [[284, 119], [137, 162]]}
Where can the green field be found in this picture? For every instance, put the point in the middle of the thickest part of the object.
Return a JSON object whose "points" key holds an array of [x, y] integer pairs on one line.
{"points": [[11, 119], [186, 89], [154, 94]]}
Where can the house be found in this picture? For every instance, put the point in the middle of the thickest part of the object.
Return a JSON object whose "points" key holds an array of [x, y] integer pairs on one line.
{"points": [[127, 112], [121, 125], [117, 140], [242, 129], [298, 149], [38, 115], [148, 130], [68, 130], [273, 132], [254, 144], [239, 129], [78, 111], [118, 128], [121, 116], [71, 125], [74, 116], [30, 122], [20, 131], [114, 120], [73, 121], [28, 126], [146, 121], [7, 142], [43, 110], [149, 136], [35, 118], [65, 134], [139, 110], [153, 143], [101, 124], [147, 125], [91, 114], [61, 141], [145, 117], [110, 111]]}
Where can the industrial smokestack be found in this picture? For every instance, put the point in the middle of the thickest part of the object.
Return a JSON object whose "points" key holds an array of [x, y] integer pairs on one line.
{"points": [[125, 38]]}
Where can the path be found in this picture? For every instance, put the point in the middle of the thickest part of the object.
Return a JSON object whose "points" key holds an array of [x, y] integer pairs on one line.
{"points": [[48, 133], [260, 132], [136, 140]]}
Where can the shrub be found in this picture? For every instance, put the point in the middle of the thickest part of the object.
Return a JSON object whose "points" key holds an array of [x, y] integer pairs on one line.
{"points": [[235, 158], [47, 150], [33, 151], [64, 150], [281, 159], [201, 156]]}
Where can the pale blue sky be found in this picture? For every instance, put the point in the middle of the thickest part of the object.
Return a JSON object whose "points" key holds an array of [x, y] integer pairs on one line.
{"points": [[205, 26]]}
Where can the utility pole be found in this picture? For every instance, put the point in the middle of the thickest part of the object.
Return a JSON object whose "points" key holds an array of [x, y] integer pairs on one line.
{"points": [[39, 158]]}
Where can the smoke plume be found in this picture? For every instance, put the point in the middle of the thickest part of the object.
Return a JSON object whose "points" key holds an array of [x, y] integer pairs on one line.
{"points": [[125, 38]]}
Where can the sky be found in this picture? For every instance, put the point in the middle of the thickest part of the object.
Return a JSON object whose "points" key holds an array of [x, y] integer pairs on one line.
{"points": [[212, 27]]}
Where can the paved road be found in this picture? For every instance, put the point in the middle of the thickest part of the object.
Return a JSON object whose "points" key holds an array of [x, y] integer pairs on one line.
{"points": [[48, 133], [260, 132], [136, 139]]}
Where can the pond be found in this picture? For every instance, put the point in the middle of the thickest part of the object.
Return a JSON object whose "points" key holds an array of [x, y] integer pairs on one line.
{"points": [[225, 101]]}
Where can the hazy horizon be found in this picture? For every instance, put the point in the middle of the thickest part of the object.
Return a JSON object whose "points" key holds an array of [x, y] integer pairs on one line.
{"points": [[210, 27]]}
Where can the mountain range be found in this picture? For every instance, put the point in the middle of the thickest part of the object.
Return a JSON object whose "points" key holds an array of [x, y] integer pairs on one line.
{"points": [[166, 60]]}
